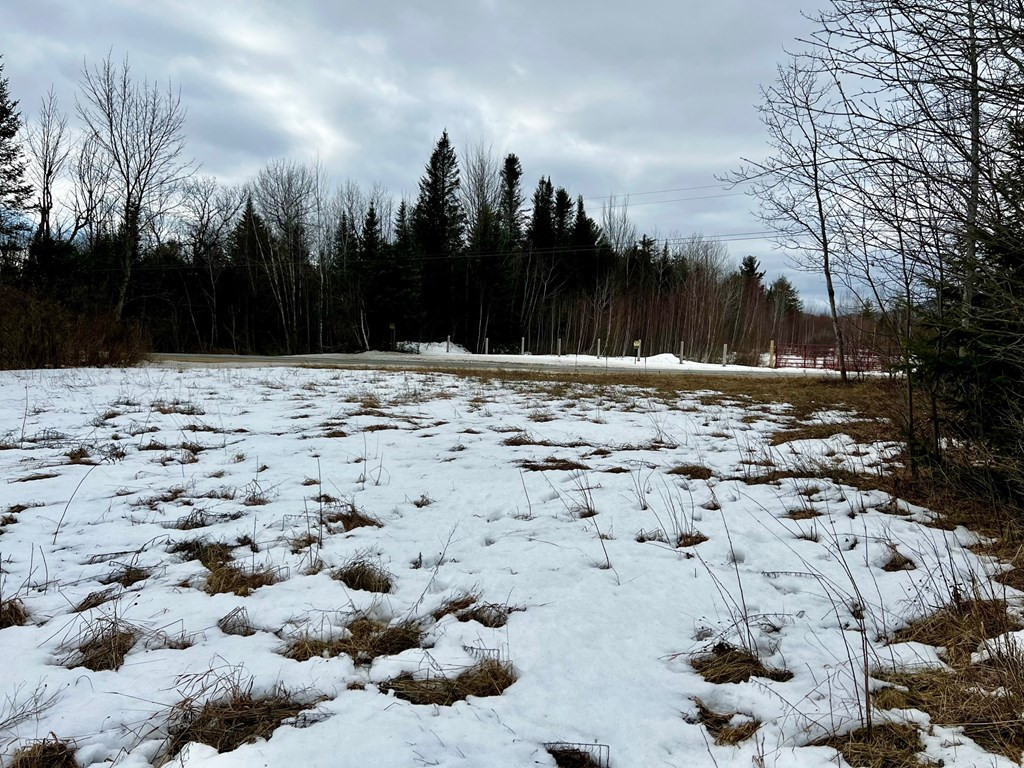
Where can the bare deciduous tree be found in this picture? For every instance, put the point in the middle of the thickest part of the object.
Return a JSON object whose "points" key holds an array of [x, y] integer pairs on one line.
{"points": [[49, 148], [140, 130], [798, 185]]}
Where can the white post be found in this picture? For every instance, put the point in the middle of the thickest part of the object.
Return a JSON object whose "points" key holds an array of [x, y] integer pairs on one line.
{"points": [[725, 354], [598, 348], [522, 345], [448, 345], [681, 357], [771, 353], [559, 346], [487, 346]]}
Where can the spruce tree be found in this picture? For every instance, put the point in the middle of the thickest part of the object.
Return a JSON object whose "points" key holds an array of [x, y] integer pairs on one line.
{"points": [[439, 224], [14, 192]]}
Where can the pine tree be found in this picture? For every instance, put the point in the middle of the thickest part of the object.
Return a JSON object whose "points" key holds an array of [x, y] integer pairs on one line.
{"points": [[14, 192]]}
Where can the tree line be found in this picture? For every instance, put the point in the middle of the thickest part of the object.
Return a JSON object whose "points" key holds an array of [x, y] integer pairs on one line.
{"points": [[107, 216]]}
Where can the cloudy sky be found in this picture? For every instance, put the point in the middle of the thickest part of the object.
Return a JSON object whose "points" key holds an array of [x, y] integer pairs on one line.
{"points": [[626, 98]]}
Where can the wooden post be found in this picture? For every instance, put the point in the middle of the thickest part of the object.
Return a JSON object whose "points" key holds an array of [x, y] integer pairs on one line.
{"points": [[487, 346], [559, 346], [681, 357], [771, 353], [448, 345], [522, 345], [725, 355], [599, 348]]}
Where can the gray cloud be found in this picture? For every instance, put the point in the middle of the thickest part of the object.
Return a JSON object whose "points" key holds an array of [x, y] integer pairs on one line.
{"points": [[606, 98]]}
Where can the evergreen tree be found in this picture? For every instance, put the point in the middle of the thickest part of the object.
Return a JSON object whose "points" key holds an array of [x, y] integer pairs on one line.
{"points": [[14, 192], [750, 269], [439, 226], [510, 206], [589, 262]]}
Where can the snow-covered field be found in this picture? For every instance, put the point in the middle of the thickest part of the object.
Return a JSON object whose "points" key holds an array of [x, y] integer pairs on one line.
{"points": [[613, 540]]}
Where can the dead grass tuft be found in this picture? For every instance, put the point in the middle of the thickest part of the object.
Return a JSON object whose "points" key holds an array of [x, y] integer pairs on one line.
{"points": [[693, 471], [184, 407], [230, 722], [552, 463], [238, 579], [104, 644], [960, 628], [727, 663], [212, 554], [365, 575], [566, 756], [97, 598], [488, 678], [12, 613], [804, 513], [887, 745], [48, 753], [454, 605], [897, 561], [723, 726], [79, 455], [236, 622], [365, 640], [491, 615], [350, 517], [690, 539], [127, 575]]}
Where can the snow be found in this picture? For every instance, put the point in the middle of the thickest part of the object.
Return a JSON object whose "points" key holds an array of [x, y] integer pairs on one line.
{"points": [[659, 362], [605, 626]]}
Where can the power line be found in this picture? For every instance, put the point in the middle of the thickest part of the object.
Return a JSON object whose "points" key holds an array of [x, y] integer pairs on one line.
{"points": [[659, 191]]}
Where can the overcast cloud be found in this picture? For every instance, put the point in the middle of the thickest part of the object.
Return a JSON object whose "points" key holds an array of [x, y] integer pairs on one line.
{"points": [[625, 98]]}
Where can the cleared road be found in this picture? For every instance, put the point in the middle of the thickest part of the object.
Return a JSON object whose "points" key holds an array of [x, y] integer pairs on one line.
{"points": [[400, 361]]}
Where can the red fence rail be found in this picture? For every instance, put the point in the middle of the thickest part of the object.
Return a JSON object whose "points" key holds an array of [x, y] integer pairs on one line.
{"points": [[824, 356]]}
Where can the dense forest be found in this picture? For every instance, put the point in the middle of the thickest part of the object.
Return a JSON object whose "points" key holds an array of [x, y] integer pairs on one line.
{"points": [[108, 219]]}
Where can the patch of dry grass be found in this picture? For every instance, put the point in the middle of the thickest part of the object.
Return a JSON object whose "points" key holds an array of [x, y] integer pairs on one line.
{"points": [[693, 471], [552, 463], [48, 753], [365, 640], [229, 722], [886, 745], [104, 644], [238, 579], [364, 574], [897, 561], [984, 699], [690, 539], [97, 598], [861, 430], [723, 726], [572, 756], [726, 663], [488, 678], [350, 517], [236, 622], [212, 554], [12, 613], [126, 574], [960, 627]]}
